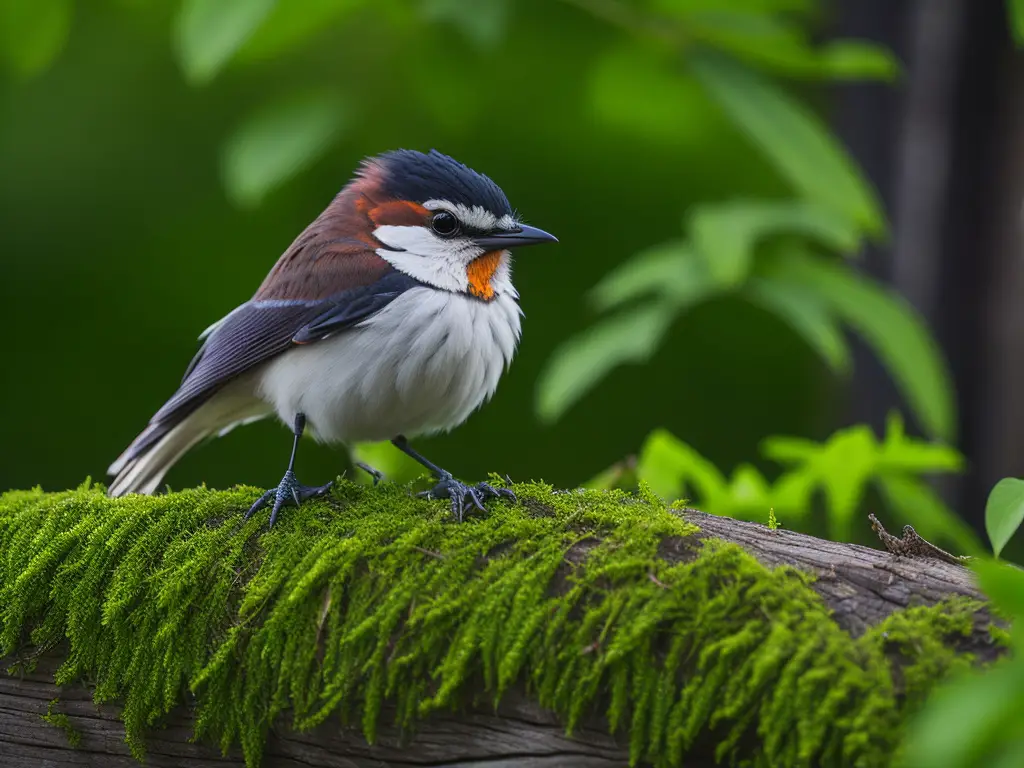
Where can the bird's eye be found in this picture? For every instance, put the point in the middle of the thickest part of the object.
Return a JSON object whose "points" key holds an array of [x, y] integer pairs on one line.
{"points": [[444, 223]]}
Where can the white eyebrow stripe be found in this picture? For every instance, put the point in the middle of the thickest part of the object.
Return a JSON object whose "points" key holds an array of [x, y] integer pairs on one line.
{"points": [[476, 217]]}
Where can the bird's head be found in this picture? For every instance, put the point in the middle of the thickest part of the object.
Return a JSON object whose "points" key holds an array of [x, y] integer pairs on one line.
{"points": [[441, 222]]}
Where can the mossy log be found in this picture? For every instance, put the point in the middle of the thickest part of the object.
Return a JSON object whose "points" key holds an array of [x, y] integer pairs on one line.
{"points": [[572, 628]]}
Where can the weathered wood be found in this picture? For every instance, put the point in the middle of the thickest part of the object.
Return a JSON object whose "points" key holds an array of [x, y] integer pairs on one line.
{"points": [[861, 585], [518, 734]]}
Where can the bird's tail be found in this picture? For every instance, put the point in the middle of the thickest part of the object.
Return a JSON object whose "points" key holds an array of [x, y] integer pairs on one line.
{"points": [[143, 464]]}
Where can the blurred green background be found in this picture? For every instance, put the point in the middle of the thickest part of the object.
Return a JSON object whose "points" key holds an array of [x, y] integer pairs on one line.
{"points": [[120, 243]]}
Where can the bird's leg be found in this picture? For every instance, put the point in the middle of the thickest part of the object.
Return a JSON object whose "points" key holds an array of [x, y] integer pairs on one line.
{"points": [[449, 488], [375, 474], [289, 490]]}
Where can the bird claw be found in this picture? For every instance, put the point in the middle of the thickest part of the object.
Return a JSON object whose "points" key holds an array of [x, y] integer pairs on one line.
{"points": [[289, 491], [376, 474], [450, 488]]}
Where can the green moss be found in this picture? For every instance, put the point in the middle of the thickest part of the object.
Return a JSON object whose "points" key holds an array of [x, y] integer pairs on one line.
{"points": [[60, 720], [375, 597]]}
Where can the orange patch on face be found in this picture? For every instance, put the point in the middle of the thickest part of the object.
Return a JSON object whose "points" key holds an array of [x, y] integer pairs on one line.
{"points": [[480, 271], [397, 213]]}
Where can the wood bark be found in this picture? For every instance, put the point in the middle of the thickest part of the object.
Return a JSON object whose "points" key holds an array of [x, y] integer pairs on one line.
{"points": [[861, 585]]}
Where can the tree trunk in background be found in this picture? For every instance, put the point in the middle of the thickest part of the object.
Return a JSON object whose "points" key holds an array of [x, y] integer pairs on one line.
{"points": [[1001, 391], [942, 147]]}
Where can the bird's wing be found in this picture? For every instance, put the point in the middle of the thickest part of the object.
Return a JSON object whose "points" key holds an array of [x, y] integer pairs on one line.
{"points": [[261, 329], [358, 306]]}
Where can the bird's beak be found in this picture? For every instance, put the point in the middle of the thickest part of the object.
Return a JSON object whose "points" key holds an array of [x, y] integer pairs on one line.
{"points": [[499, 241]]}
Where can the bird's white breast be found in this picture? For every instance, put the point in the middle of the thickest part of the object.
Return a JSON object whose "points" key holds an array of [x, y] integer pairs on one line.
{"points": [[423, 364]]}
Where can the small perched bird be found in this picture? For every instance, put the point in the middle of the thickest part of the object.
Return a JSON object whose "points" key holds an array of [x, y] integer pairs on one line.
{"points": [[392, 315]]}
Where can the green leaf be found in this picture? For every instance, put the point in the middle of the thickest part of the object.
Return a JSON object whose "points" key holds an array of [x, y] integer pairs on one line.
{"points": [[792, 493], [1008, 753], [668, 465], [740, 32], [1015, 9], [806, 315], [292, 24], [277, 143], [966, 716], [794, 139], [1004, 512], [913, 501], [841, 466], [1003, 583], [670, 269], [688, 8], [762, 40], [482, 21], [621, 474], [892, 328], [726, 233], [916, 457], [852, 457], [770, 44], [748, 490], [208, 33], [33, 33], [898, 452], [574, 369], [638, 90], [789, 450], [857, 60]]}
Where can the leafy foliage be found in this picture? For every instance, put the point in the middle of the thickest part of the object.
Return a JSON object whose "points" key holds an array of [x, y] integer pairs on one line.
{"points": [[748, 249], [840, 470], [793, 138], [887, 322], [210, 32], [1004, 512], [60, 720], [760, 249], [290, 25], [974, 719], [482, 21], [1016, 15], [33, 32], [371, 598], [279, 142], [625, 337]]}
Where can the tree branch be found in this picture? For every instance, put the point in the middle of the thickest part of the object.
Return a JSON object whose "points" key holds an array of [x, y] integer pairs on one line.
{"points": [[603, 593]]}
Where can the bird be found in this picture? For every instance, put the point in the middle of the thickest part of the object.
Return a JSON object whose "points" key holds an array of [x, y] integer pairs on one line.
{"points": [[391, 316]]}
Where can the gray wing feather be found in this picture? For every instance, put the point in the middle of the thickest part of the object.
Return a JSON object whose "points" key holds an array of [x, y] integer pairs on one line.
{"points": [[256, 332]]}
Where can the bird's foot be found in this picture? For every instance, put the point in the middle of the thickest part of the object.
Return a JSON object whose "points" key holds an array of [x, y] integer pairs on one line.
{"points": [[460, 493], [289, 491], [376, 474]]}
